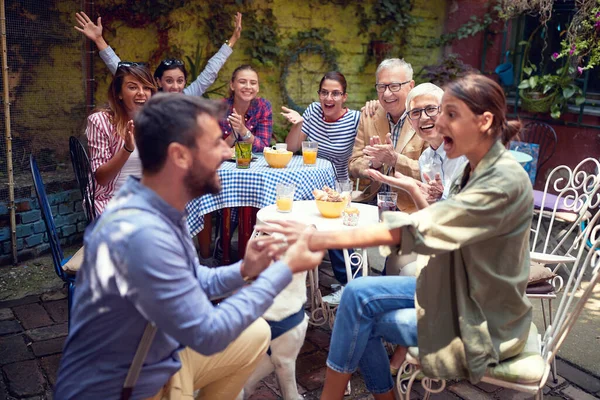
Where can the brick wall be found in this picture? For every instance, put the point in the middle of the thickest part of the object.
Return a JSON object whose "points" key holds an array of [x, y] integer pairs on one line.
{"points": [[32, 239]]}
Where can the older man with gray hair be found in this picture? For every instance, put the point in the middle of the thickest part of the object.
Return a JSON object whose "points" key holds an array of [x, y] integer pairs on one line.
{"points": [[384, 141]]}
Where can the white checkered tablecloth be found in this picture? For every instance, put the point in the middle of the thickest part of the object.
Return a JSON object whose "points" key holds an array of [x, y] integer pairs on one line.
{"points": [[255, 187]]}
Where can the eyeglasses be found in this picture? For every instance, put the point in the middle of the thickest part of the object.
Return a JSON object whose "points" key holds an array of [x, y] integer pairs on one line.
{"points": [[336, 94], [394, 86], [128, 64], [430, 111], [172, 61]]}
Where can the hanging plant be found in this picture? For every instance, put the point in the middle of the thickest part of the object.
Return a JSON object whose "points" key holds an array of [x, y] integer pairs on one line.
{"points": [[515, 8]]}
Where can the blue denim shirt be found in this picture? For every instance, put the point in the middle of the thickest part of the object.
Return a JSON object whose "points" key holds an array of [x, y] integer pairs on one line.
{"points": [[140, 265]]}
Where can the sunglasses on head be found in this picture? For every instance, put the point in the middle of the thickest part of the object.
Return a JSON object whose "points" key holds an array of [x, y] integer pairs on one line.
{"points": [[172, 61], [128, 64]]}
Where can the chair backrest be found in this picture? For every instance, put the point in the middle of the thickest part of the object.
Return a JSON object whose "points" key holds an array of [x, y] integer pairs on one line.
{"points": [[542, 134], [573, 299], [85, 180], [577, 193], [57, 254]]}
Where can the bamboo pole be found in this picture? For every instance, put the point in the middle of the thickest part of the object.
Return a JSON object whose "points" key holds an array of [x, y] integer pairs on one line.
{"points": [[8, 135]]}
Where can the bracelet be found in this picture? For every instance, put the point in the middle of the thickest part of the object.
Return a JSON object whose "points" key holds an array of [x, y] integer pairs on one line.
{"points": [[127, 150], [247, 136]]}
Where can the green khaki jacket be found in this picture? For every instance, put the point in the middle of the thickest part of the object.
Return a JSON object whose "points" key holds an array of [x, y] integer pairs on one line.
{"points": [[474, 263]]}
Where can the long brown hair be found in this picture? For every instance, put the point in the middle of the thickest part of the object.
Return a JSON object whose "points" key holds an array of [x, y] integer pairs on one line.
{"points": [[482, 94], [116, 108]]}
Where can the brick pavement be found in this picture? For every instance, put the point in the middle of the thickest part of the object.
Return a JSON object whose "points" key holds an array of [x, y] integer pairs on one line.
{"points": [[33, 330]]}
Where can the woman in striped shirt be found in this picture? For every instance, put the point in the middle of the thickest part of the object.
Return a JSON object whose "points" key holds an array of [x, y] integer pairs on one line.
{"points": [[332, 125], [109, 131], [327, 122]]}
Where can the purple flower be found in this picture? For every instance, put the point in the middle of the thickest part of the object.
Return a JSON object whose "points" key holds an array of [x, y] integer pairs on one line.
{"points": [[597, 24], [598, 14], [573, 48], [554, 56], [580, 70]]}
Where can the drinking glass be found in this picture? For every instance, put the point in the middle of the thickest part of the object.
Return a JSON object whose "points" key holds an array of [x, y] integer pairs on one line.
{"points": [[309, 153], [285, 196], [344, 188], [243, 154], [386, 201]]}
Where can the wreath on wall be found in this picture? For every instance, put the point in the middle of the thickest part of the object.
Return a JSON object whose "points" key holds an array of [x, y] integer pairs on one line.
{"points": [[305, 42]]}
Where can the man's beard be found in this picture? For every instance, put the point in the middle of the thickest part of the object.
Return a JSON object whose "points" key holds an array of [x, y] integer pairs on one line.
{"points": [[197, 184]]}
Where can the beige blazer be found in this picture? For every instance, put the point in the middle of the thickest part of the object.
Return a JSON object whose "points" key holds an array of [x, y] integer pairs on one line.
{"points": [[409, 147]]}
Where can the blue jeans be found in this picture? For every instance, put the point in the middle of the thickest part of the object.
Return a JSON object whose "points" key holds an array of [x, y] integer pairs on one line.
{"points": [[371, 309], [338, 265]]}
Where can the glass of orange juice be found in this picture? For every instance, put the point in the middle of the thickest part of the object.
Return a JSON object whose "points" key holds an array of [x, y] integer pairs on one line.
{"points": [[309, 153], [285, 196]]}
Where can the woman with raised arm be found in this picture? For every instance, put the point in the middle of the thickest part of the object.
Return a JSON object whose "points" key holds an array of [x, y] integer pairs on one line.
{"points": [[467, 308], [170, 75], [110, 131], [249, 117]]}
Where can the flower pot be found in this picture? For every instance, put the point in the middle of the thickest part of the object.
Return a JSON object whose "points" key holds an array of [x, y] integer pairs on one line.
{"points": [[537, 101]]}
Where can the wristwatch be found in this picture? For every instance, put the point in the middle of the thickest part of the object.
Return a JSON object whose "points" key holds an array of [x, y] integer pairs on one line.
{"points": [[246, 136]]}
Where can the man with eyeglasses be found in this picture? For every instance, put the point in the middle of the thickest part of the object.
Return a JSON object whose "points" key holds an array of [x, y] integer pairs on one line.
{"points": [[385, 141]]}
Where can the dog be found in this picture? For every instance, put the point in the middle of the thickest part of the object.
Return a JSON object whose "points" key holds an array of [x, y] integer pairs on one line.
{"points": [[287, 309]]}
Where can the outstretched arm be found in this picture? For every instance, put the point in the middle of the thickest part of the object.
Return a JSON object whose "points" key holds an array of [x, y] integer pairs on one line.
{"points": [[208, 76], [412, 186], [94, 33], [295, 137]]}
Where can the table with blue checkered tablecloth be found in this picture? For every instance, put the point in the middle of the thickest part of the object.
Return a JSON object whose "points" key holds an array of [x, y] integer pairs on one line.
{"points": [[255, 187]]}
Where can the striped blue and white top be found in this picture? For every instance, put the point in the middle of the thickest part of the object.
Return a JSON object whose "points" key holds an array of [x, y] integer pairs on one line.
{"points": [[336, 139]]}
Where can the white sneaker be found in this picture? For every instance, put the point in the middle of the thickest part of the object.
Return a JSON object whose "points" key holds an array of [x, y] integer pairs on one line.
{"points": [[334, 298]]}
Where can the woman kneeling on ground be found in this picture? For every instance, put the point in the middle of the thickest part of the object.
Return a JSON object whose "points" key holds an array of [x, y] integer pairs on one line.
{"points": [[466, 309]]}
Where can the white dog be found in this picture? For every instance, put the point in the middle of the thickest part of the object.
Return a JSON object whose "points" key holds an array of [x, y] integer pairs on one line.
{"points": [[288, 308]]}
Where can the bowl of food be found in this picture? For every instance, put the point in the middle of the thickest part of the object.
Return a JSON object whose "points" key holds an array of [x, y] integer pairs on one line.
{"points": [[329, 202], [277, 158]]}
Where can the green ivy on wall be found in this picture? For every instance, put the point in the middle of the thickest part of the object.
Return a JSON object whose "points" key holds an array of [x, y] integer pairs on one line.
{"points": [[261, 33], [314, 42]]}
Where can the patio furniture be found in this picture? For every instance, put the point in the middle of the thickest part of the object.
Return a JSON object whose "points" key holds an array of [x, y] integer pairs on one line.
{"points": [[529, 371], [543, 135], [306, 212], [64, 267], [255, 188], [85, 179]]}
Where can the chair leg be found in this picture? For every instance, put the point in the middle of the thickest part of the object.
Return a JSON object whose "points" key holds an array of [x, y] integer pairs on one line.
{"points": [[204, 237], [70, 292]]}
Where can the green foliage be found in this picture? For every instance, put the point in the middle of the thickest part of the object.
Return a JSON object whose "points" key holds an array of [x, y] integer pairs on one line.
{"points": [[448, 70], [312, 41], [219, 24], [261, 33], [470, 28], [280, 132], [195, 66], [560, 84], [153, 9], [390, 17]]}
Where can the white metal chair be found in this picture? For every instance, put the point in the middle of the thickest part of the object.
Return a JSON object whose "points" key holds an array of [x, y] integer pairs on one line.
{"points": [[529, 371]]}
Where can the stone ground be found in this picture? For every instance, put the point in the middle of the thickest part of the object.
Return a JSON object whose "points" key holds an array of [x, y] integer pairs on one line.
{"points": [[33, 329]]}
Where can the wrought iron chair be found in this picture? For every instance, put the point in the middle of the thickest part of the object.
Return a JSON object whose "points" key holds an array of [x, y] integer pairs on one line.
{"points": [[83, 173], [529, 371], [543, 135], [58, 258]]}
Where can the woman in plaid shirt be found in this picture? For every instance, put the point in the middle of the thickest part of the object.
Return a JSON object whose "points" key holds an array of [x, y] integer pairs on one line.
{"points": [[249, 118], [109, 131]]}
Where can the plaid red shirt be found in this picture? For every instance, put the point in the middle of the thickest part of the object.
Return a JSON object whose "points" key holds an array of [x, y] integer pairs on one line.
{"points": [[259, 120]]}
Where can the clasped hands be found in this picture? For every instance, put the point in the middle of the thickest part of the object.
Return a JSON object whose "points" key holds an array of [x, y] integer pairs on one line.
{"points": [[237, 124], [288, 241], [381, 153]]}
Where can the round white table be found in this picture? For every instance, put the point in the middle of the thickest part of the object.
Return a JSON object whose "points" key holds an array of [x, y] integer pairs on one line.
{"points": [[306, 211], [522, 158]]}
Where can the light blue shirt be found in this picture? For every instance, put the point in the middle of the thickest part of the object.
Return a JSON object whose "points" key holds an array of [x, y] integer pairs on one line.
{"points": [[435, 161], [140, 265], [197, 88]]}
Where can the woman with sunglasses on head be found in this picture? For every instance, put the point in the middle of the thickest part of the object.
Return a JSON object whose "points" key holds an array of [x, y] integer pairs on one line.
{"points": [[467, 309], [110, 131], [170, 75], [249, 118], [333, 126]]}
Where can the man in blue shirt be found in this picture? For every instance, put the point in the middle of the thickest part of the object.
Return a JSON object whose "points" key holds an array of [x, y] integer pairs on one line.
{"points": [[140, 266]]}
